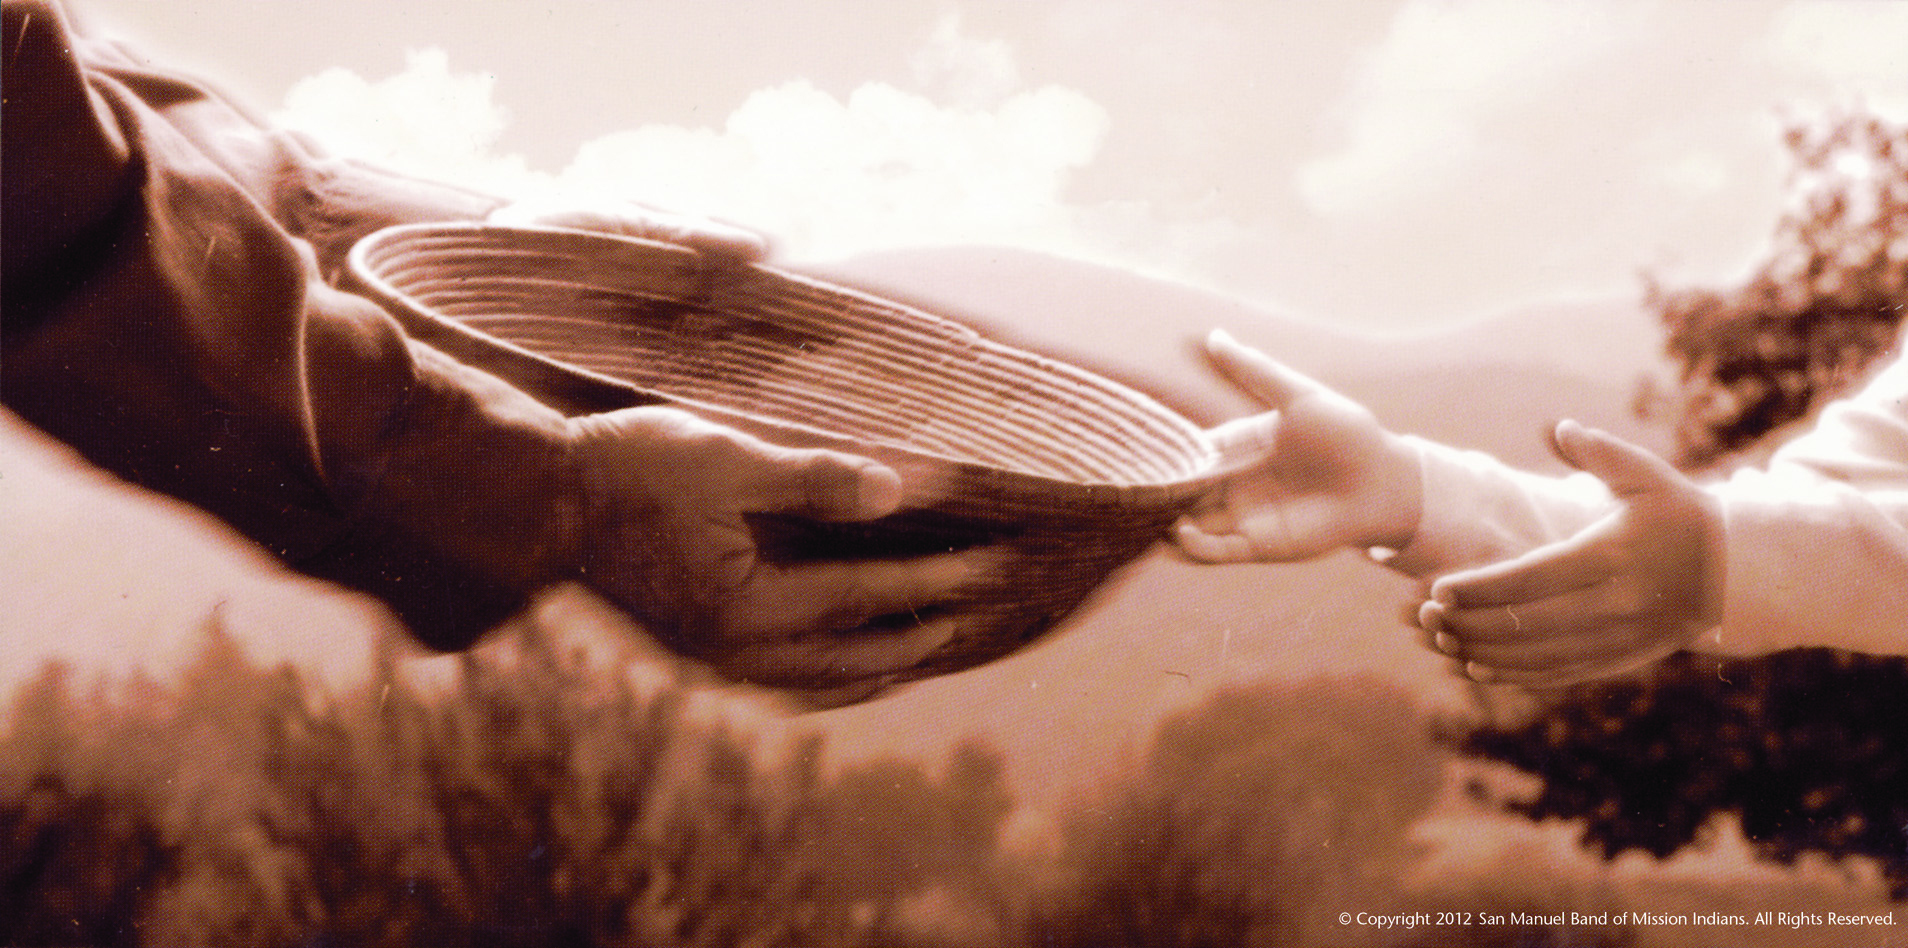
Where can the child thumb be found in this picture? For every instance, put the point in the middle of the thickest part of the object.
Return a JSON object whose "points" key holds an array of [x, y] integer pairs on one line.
{"points": [[1627, 469]]}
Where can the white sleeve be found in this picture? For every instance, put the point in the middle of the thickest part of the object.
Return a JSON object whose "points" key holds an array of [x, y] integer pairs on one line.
{"points": [[1818, 542], [1478, 510]]}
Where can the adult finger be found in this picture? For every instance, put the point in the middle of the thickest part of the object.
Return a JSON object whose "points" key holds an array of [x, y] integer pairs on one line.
{"points": [[827, 696], [828, 659], [1628, 469], [815, 483], [712, 237], [1256, 373], [798, 599]]}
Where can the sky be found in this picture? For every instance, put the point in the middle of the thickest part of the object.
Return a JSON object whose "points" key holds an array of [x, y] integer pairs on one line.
{"points": [[1381, 164]]}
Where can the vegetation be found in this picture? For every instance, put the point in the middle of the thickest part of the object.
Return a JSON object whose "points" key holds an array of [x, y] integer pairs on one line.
{"points": [[1802, 751], [1256, 818], [533, 801], [536, 800], [1822, 308]]}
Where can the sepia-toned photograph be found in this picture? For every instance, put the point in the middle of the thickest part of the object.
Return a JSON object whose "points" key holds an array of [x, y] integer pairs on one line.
{"points": [[954, 474]]}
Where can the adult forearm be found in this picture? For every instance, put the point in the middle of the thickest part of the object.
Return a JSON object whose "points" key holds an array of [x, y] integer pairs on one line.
{"points": [[181, 332]]}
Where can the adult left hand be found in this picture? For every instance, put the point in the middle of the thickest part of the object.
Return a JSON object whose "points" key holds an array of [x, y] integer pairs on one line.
{"points": [[1634, 587]]}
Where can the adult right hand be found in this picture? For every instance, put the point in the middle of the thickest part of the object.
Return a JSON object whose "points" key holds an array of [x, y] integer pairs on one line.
{"points": [[665, 534], [1318, 472]]}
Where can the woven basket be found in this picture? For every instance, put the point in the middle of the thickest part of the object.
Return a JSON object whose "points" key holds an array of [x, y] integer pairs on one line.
{"points": [[1075, 474]]}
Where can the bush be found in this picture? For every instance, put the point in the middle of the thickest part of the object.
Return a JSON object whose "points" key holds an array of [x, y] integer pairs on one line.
{"points": [[534, 800], [1256, 818], [1803, 749]]}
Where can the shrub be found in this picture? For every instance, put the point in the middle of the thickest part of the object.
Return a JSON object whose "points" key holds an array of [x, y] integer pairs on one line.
{"points": [[1256, 817], [1803, 749], [533, 800]]}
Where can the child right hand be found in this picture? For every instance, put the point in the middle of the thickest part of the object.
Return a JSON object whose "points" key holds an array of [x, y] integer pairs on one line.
{"points": [[1321, 473]]}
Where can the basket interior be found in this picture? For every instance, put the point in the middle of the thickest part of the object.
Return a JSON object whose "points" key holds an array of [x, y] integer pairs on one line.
{"points": [[761, 342]]}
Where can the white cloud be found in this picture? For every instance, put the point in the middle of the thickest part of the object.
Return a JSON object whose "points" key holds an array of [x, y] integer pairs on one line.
{"points": [[962, 70], [425, 120], [882, 168], [1645, 100], [1426, 98], [823, 176], [1487, 152], [1492, 152]]}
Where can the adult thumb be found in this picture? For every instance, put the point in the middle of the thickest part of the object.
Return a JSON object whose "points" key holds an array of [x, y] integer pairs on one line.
{"points": [[1627, 469], [821, 484]]}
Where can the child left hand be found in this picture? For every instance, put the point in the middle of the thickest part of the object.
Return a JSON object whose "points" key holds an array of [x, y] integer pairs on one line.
{"points": [[1634, 587]]}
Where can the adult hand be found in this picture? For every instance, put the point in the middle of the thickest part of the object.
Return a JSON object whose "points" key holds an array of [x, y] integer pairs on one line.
{"points": [[628, 219], [665, 534], [1631, 588], [1322, 474]]}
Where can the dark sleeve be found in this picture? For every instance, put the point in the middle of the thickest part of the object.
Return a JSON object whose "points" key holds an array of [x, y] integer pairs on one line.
{"points": [[170, 309]]}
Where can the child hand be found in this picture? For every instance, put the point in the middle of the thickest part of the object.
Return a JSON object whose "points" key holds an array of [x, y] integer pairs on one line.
{"points": [[1631, 588], [1322, 472]]}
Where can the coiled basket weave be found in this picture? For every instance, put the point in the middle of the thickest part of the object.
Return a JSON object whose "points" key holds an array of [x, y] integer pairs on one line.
{"points": [[1073, 474]]}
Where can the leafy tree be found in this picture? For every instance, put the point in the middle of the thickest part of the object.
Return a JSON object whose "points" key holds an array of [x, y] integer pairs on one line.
{"points": [[1825, 304]]}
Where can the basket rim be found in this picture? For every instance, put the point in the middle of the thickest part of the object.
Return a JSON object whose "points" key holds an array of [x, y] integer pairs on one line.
{"points": [[1204, 463]]}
